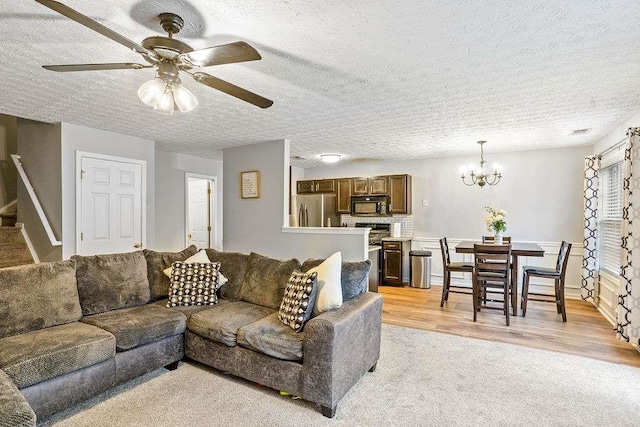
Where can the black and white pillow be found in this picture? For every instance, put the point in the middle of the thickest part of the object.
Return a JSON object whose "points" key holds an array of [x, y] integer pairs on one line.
{"points": [[193, 284], [299, 298]]}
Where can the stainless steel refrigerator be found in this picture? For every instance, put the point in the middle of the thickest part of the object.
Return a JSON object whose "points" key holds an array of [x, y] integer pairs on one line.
{"points": [[314, 210]]}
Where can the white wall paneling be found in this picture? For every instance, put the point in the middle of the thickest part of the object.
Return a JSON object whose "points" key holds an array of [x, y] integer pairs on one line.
{"points": [[572, 283], [608, 286]]}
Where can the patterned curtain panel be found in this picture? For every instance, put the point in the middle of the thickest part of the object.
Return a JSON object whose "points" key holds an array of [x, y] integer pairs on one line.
{"points": [[590, 259], [628, 310]]}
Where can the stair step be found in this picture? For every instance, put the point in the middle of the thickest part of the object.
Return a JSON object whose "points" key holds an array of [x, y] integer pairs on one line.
{"points": [[10, 235], [8, 219]]}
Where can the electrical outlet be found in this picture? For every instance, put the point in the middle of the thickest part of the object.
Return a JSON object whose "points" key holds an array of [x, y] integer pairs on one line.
{"points": [[424, 203]]}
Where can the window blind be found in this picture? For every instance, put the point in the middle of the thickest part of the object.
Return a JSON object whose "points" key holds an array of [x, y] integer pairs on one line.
{"points": [[610, 218]]}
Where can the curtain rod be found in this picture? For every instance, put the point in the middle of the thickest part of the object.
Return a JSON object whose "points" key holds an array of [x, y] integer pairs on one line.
{"points": [[613, 147]]}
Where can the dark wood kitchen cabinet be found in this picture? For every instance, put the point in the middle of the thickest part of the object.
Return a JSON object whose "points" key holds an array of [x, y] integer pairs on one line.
{"points": [[369, 186], [392, 263], [378, 185], [400, 194], [343, 196], [317, 186], [359, 186]]}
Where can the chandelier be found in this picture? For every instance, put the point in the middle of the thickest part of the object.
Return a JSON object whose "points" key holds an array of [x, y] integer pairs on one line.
{"points": [[477, 175]]}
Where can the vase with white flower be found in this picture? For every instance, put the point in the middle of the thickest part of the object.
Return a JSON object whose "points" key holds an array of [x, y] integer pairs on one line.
{"points": [[496, 223]]}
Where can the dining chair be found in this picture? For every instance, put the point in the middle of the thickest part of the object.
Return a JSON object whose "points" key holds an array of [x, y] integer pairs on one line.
{"points": [[448, 267], [492, 239], [556, 274], [491, 275]]}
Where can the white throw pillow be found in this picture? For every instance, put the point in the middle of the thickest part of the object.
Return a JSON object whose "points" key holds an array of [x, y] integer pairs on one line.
{"points": [[200, 256], [329, 284]]}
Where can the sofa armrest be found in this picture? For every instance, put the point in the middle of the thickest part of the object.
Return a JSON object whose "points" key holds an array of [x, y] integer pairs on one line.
{"points": [[14, 409], [339, 347]]}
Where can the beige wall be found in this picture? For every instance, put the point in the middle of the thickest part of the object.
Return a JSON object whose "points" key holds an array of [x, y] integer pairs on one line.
{"points": [[8, 174], [258, 224], [39, 146]]}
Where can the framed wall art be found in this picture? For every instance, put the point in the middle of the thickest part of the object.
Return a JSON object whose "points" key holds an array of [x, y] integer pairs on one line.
{"points": [[250, 184]]}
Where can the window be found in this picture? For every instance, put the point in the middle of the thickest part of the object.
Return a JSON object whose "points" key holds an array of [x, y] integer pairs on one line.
{"points": [[610, 218]]}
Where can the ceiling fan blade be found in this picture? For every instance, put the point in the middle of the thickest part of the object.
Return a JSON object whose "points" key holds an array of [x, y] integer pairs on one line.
{"points": [[96, 67], [223, 54], [232, 90], [95, 26]]}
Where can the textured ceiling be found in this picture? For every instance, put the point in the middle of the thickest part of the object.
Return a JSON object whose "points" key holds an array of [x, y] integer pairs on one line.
{"points": [[368, 79]]}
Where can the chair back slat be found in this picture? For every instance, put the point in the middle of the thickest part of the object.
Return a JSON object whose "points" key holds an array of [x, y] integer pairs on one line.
{"points": [[563, 258], [492, 261], [444, 247]]}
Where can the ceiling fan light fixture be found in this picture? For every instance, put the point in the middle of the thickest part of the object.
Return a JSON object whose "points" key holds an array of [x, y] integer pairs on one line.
{"points": [[151, 91], [185, 100], [165, 104]]}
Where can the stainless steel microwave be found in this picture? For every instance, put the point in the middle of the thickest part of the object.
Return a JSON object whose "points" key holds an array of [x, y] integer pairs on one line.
{"points": [[369, 205]]}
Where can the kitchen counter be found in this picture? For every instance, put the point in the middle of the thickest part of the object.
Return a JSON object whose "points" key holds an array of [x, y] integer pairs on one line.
{"points": [[373, 248], [397, 239]]}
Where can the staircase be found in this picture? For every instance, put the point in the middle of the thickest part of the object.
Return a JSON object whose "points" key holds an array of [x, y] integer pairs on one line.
{"points": [[13, 248]]}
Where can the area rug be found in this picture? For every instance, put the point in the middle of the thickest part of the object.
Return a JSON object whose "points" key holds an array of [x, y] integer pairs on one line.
{"points": [[423, 378]]}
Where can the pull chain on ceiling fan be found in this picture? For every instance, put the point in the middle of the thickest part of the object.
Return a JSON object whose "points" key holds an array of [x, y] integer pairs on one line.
{"points": [[169, 57]]}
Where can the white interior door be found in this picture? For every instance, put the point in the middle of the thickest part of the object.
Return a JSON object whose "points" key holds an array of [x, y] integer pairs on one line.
{"points": [[111, 206], [199, 221]]}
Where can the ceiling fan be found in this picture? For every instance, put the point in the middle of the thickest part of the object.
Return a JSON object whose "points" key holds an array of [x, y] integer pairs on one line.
{"points": [[169, 57]]}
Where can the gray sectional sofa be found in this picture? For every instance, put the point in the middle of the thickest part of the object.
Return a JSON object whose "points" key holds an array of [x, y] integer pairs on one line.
{"points": [[73, 329]]}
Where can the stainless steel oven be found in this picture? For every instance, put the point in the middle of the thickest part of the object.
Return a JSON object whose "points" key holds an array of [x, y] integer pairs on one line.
{"points": [[369, 205]]}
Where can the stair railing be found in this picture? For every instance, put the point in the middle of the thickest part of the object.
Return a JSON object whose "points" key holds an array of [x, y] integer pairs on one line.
{"points": [[36, 203]]}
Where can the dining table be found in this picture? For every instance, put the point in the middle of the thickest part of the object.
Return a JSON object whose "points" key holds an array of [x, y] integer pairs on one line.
{"points": [[518, 249]]}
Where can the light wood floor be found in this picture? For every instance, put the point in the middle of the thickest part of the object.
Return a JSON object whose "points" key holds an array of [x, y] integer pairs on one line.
{"points": [[586, 333]]}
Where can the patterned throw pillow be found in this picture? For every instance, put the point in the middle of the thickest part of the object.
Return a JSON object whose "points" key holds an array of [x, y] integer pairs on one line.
{"points": [[299, 297], [193, 284]]}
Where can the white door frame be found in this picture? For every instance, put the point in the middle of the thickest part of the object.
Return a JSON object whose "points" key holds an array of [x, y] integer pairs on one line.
{"points": [[213, 212], [143, 198]]}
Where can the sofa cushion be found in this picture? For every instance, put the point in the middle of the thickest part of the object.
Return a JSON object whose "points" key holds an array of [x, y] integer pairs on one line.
{"points": [[156, 263], [298, 300], [221, 323], [266, 279], [38, 296], [233, 265], [37, 356], [355, 276], [193, 284], [14, 409], [136, 326], [110, 282], [272, 337]]}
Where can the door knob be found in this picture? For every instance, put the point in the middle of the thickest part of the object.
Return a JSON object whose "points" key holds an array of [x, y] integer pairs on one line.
{"points": [[189, 235], [137, 245]]}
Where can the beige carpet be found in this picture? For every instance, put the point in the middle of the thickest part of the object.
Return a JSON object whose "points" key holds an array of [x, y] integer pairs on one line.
{"points": [[423, 378]]}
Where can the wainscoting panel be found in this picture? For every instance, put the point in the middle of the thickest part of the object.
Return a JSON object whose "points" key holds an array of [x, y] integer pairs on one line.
{"points": [[608, 296], [551, 249]]}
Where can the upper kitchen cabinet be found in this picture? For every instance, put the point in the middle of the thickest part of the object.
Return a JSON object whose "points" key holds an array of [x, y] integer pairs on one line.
{"points": [[378, 185], [366, 186], [317, 186], [359, 186], [400, 194], [343, 196]]}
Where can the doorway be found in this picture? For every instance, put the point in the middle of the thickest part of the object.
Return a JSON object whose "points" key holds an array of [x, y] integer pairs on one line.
{"points": [[110, 208], [200, 210]]}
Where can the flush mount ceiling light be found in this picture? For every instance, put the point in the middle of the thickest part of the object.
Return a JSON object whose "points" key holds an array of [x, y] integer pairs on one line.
{"points": [[478, 175], [168, 56], [330, 157]]}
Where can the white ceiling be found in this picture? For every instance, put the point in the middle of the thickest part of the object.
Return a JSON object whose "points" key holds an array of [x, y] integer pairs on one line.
{"points": [[368, 79]]}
